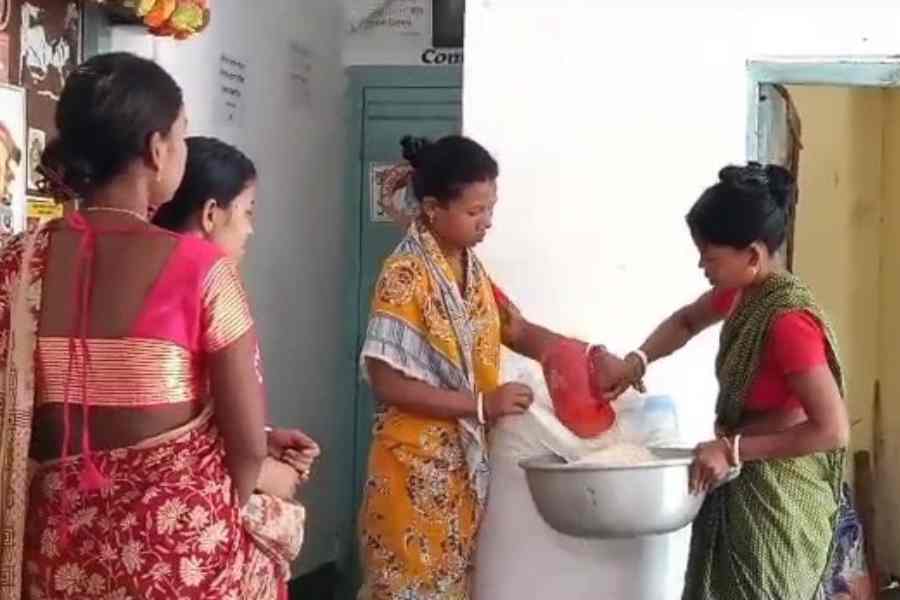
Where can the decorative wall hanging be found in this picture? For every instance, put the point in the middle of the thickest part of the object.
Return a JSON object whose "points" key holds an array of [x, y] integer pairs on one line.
{"points": [[180, 19]]}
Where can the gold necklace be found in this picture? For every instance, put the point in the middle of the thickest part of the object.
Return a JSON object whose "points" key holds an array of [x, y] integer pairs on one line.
{"points": [[112, 209]]}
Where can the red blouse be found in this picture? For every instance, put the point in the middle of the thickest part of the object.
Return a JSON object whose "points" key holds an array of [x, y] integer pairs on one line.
{"points": [[795, 344], [196, 307]]}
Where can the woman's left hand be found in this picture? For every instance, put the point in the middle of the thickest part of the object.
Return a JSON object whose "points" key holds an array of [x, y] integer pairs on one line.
{"points": [[295, 448], [278, 478], [711, 466]]}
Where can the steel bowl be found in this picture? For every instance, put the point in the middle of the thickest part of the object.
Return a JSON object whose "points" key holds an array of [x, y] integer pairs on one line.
{"points": [[596, 501]]}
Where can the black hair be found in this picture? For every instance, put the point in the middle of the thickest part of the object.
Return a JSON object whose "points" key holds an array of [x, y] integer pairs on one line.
{"points": [[214, 170], [109, 108], [749, 204], [444, 168]]}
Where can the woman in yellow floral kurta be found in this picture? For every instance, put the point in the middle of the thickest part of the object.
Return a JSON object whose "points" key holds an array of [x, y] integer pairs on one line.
{"points": [[432, 356]]}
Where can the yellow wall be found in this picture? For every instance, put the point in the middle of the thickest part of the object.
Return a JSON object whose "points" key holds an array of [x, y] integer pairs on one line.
{"points": [[837, 249], [888, 471], [848, 249]]}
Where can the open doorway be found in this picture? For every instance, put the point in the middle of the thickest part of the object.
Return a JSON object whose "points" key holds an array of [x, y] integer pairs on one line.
{"points": [[845, 244]]}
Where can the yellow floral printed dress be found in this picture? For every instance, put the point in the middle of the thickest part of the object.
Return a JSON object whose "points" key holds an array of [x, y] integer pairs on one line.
{"points": [[427, 479]]}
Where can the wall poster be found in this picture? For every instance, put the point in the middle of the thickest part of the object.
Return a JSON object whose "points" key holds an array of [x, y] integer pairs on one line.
{"points": [[44, 47], [13, 140]]}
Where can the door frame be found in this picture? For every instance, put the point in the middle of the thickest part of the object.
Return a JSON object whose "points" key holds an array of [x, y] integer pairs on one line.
{"points": [[849, 71], [765, 72], [359, 79]]}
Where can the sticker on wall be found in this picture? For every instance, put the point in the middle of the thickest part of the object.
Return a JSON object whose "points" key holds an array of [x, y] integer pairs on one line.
{"points": [[37, 141], [391, 197], [42, 211], [410, 18], [377, 172], [12, 157], [232, 87]]}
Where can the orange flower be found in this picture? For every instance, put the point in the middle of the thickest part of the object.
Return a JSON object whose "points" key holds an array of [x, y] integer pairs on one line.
{"points": [[160, 13], [178, 18]]}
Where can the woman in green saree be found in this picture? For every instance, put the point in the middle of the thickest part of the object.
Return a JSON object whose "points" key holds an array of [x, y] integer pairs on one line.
{"points": [[781, 415]]}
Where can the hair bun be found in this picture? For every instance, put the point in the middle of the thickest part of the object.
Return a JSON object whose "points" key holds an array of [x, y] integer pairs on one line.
{"points": [[751, 176], [773, 180], [413, 148], [781, 185], [66, 176]]}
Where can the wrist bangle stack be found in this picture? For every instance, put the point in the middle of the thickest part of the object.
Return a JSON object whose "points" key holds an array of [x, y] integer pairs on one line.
{"points": [[733, 446], [645, 361]]}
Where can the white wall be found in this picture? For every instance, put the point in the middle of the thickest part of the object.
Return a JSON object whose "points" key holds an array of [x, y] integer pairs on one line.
{"points": [[296, 266], [607, 130]]}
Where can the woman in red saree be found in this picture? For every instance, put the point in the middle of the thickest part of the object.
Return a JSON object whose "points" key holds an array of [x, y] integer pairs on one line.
{"points": [[111, 333], [216, 202]]}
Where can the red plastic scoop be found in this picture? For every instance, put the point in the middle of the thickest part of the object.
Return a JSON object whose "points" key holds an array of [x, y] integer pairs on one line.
{"points": [[567, 370]]}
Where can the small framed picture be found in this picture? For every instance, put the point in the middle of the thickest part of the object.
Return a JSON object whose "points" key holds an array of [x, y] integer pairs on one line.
{"points": [[37, 141], [13, 148]]}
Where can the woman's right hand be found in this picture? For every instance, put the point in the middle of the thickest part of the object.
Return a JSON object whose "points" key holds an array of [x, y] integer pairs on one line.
{"points": [[508, 399], [612, 376], [711, 466], [295, 448]]}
